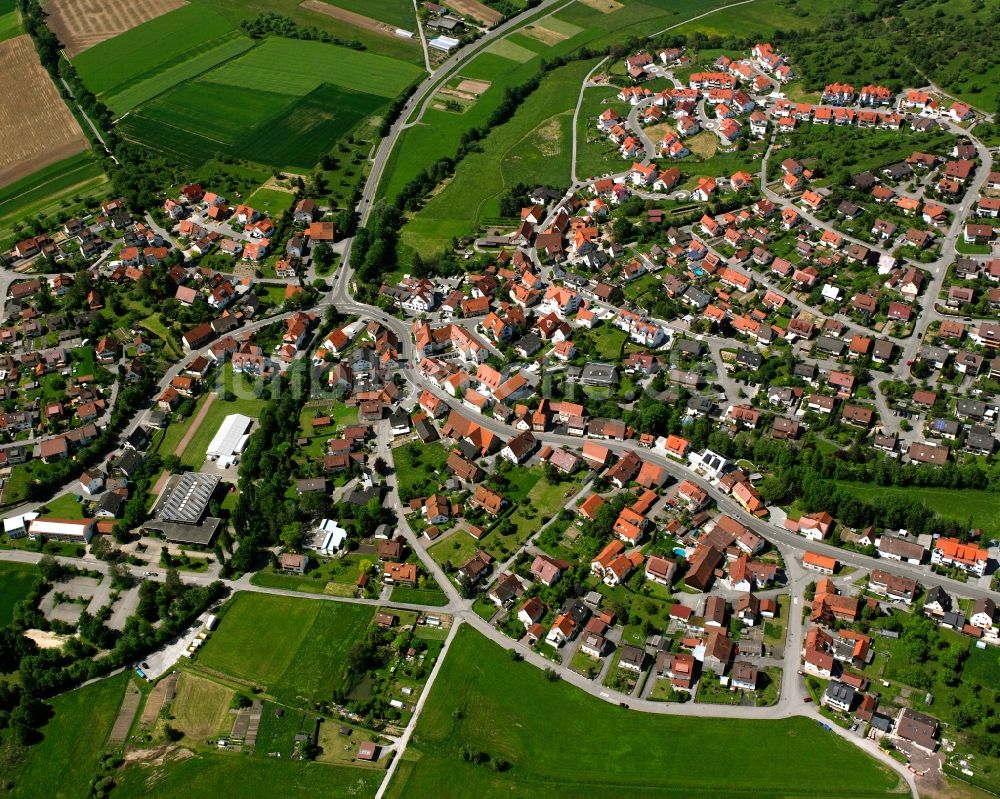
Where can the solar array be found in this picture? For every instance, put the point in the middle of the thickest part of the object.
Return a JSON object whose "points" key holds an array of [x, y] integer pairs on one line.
{"points": [[189, 498]]}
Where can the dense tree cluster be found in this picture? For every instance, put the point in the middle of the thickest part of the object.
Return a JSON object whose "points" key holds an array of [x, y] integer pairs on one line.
{"points": [[263, 511], [900, 44], [271, 24]]}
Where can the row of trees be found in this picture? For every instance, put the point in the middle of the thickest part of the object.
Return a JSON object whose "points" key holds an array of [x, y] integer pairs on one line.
{"points": [[271, 24], [263, 511]]}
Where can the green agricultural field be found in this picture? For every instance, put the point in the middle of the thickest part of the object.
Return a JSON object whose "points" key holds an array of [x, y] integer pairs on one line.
{"points": [[10, 24], [141, 91], [978, 508], [505, 48], [210, 775], [535, 146], [297, 138], [295, 647], [16, 580], [292, 66], [75, 735], [318, 666], [484, 703], [238, 647], [69, 182], [172, 118], [151, 48], [398, 13], [288, 118]]}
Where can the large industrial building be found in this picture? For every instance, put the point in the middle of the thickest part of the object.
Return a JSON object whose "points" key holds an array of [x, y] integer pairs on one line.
{"points": [[179, 513], [229, 441]]}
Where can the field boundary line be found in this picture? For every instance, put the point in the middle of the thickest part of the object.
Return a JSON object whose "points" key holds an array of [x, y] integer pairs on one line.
{"points": [[199, 417]]}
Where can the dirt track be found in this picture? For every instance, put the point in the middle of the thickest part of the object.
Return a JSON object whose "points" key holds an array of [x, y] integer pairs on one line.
{"points": [[80, 24], [193, 428], [357, 20], [36, 126]]}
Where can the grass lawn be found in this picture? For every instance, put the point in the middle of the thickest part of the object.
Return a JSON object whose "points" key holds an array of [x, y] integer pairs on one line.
{"points": [[210, 775], [326, 576], [296, 647], [65, 507], [543, 501], [434, 597], [605, 342], [544, 731], [983, 666], [318, 437], [775, 629], [457, 548], [16, 580], [979, 508], [74, 737], [234, 647], [584, 664], [416, 465], [175, 430]]}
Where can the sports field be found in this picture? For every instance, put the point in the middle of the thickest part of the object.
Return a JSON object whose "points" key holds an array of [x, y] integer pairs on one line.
{"points": [[272, 202], [210, 775], [74, 737], [295, 647], [194, 453], [562, 742], [16, 580], [49, 133]]}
